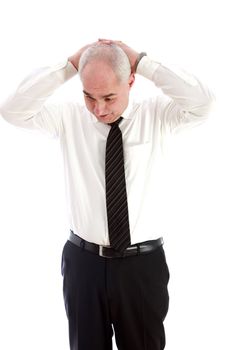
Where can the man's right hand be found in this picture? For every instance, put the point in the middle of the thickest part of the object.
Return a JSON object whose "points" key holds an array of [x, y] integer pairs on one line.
{"points": [[74, 59]]}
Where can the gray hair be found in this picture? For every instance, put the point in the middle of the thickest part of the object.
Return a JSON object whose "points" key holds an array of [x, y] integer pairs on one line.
{"points": [[112, 54]]}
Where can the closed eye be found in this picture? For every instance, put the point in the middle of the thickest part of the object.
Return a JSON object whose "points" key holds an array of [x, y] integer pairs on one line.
{"points": [[89, 97]]}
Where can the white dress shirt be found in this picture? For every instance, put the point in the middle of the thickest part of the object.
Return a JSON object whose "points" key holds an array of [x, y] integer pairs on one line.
{"points": [[184, 102]]}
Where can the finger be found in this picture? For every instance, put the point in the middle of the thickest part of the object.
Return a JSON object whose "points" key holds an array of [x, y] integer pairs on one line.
{"points": [[110, 40], [105, 40]]}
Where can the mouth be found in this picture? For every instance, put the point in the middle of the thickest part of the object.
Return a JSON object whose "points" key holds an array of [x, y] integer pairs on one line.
{"points": [[104, 116]]}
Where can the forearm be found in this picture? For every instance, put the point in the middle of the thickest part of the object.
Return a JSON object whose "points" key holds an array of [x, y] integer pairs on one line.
{"points": [[33, 92], [183, 88]]}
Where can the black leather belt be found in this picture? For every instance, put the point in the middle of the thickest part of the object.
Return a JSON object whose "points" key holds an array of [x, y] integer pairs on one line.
{"points": [[108, 252]]}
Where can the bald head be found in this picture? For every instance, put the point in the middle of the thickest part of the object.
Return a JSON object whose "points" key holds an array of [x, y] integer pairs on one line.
{"points": [[112, 55]]}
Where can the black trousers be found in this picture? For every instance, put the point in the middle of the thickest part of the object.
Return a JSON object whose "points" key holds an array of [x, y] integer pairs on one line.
{"points": [[128, 295]]}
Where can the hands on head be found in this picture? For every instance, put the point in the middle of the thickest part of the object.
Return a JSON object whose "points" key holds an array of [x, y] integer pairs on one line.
{"points": [[132, 54]]}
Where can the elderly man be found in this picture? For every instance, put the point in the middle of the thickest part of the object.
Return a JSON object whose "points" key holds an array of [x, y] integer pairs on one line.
{"points": [[113, 263]]}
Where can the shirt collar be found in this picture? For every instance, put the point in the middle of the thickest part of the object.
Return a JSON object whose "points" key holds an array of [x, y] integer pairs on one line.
{"points": [[127, 114]]}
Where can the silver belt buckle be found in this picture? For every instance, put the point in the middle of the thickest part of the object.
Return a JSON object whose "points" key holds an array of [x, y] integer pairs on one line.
{"points": [[101, 253]]}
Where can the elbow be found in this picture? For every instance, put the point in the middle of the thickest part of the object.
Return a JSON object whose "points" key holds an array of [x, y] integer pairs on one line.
{"points": [[206, 107], [15, 118], [6, 111], [15, 115], [7, 115], [209, 104], [3, 113]]}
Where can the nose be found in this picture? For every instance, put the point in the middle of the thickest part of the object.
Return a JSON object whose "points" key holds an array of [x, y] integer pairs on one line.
{"points": [[99, 108]]}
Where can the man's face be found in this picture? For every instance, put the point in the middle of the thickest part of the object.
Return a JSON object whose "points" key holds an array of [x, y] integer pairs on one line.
{"points": [[105, 96]]}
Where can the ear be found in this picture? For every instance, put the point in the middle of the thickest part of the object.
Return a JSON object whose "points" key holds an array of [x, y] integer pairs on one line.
{"points": [[131, 79]]}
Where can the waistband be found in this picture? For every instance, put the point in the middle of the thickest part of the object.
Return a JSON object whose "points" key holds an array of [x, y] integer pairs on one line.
{"points": [[108, 252]]}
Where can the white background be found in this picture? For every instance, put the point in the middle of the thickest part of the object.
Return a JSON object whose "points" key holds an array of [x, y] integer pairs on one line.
{"points": [[195, 35]]}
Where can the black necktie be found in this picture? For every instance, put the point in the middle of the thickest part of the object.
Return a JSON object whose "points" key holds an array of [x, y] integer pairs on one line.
{"points": [[116, 196]]}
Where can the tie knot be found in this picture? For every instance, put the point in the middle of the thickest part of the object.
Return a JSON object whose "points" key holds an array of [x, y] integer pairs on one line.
{"points": [[116, 123]]}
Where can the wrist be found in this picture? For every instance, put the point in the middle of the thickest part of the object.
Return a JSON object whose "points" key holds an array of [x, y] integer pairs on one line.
{"points": [[73, 61], [142, 54]]}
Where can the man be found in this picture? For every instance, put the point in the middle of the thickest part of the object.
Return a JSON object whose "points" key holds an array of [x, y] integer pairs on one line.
{"points": [[113, 264]]}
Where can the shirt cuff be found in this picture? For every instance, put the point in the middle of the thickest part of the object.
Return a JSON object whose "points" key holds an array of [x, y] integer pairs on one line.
{"points": [[147, 67], [64, 70]]}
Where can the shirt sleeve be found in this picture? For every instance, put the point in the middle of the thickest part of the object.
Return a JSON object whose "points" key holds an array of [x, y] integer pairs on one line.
{"points": [[27, 107], [185, 101]]}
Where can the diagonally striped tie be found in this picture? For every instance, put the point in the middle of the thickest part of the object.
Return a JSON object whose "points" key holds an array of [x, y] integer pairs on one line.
{"points": [[116, 196]]}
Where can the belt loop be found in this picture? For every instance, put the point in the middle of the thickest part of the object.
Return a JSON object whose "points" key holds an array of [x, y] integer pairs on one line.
{"points": [[138, 249], [82, 244]]}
